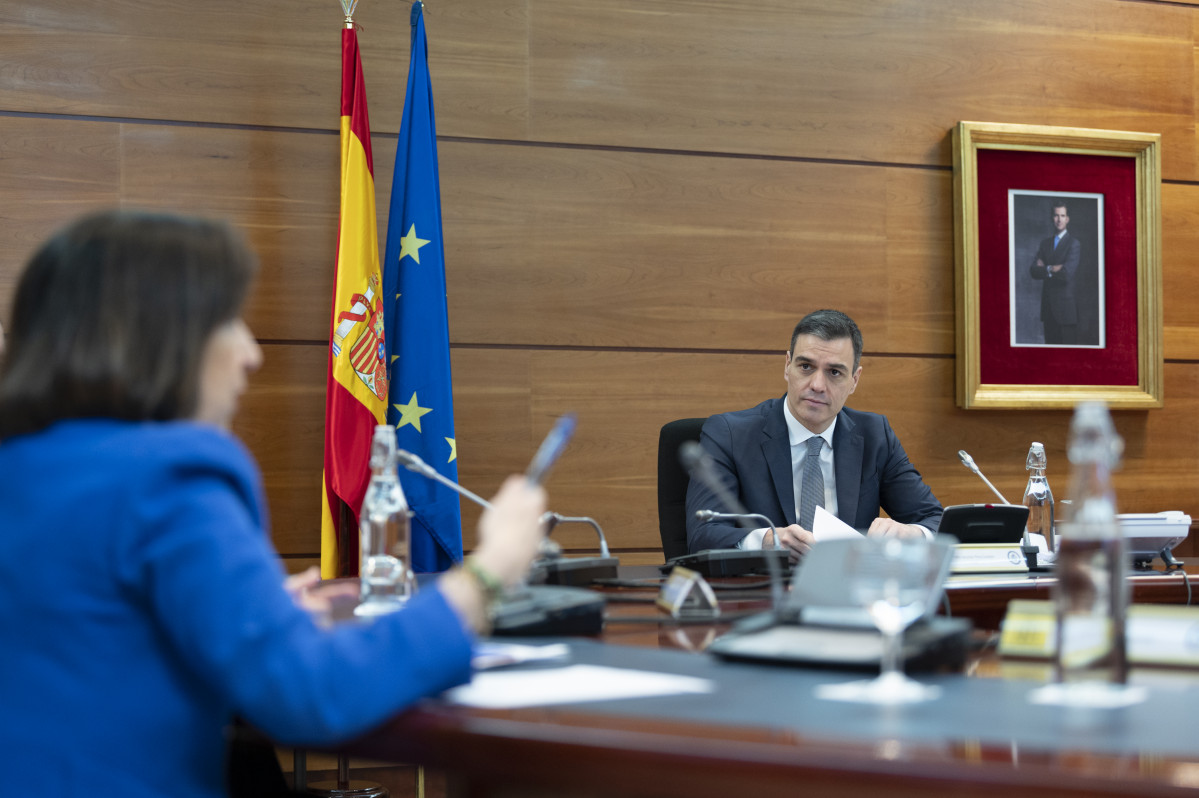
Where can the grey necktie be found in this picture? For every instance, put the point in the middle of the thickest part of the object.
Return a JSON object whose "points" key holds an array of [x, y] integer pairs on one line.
{"points": [[811, 491]]}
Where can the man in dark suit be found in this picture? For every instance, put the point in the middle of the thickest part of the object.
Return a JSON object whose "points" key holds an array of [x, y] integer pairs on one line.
{"points": [[1057, 265], [853, 465]]}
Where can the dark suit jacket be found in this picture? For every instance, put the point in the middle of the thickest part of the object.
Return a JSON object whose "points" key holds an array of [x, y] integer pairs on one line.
{"points": [[752, 455], [1058, 302]]}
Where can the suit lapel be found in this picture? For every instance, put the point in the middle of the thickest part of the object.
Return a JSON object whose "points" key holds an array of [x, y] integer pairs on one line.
{"points": [[847, 456], [776, 449]]}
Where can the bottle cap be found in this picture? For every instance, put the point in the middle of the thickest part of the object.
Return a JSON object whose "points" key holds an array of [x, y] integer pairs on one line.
{"points": [[1036, 456]]}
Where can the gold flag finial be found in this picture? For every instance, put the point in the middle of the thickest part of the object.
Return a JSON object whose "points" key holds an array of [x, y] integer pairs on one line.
{"points": [[348, 6]]}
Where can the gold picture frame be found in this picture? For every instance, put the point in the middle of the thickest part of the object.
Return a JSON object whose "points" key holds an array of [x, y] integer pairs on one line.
{"points": [[1004, 358]]}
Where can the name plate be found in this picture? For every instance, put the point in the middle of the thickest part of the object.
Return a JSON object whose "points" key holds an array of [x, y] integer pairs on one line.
{"points": [[686, 594], [974, 558], [1158, 634]]}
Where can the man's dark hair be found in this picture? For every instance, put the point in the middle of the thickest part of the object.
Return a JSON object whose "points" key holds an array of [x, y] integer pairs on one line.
{"points": [[830, 325], [112, 316], [1060, 204]]}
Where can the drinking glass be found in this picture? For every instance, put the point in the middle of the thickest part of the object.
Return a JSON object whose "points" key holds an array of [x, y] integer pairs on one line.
{"points": [[894, 580]]}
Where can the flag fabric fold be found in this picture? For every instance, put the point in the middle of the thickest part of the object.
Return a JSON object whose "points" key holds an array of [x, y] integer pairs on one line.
{"points": [[356, 385], [421, 406]]}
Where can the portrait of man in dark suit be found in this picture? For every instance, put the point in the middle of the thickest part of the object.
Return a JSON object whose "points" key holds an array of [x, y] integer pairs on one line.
{"points": [[1056, 266], [1057, 269]]}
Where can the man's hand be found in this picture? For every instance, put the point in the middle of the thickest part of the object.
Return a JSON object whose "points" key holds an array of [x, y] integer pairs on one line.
{"points": [[890, 528], [1055, 269], [797, 540]]}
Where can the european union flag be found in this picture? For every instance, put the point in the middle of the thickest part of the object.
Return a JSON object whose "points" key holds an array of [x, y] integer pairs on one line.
{"points": [[421, 403]]}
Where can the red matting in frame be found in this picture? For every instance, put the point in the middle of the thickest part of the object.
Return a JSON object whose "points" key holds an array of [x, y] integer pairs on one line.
{"points": [[1115, 177]]}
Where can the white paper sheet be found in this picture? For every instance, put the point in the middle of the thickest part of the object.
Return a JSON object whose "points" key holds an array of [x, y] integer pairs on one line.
{"points": [[573, 684], [826, 526], [490, 654]]}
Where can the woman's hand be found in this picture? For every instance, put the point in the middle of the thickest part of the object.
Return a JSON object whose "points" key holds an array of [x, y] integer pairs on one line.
{"points": [[510, 532]]}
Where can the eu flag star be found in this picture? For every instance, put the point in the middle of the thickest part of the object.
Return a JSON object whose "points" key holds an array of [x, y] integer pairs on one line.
{"points": [[410, 245], [411, 413]]}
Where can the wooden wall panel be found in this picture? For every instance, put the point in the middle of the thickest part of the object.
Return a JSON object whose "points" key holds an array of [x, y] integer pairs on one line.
{"points": [[263, 63], [648, 249], [271, 62], [1180, 270], [855, 80], [852, 80], [49, 174]]}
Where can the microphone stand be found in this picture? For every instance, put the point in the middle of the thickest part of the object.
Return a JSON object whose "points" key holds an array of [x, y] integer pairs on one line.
{"points": [[553, 519], [558, 570], [528, 611], [1029, 551], [580, 571], [721, 562], [776, 571]]}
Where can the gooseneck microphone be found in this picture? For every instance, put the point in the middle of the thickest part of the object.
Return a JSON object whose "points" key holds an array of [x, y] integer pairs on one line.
{"points": [[776, 581], [741, 518], [1028, 547], [699, 464], [413, 463], [968, 461], [552, 519], [419, 466]]}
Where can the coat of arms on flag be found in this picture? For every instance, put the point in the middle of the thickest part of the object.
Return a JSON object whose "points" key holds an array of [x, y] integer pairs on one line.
{"points": [[367, 353]]}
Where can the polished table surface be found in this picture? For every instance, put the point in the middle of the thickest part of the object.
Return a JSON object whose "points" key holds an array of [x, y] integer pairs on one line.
{"points": [[763, 733]]}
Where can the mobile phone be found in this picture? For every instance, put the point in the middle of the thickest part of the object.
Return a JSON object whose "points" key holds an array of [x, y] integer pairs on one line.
{"points": [[551, 448]]}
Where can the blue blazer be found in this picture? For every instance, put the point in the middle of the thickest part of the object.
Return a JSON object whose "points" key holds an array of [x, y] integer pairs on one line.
{"points": [[752, 455]]}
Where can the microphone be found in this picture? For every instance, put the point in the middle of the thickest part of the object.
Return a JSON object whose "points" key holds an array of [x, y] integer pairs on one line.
{"points": [[551, 520], [576, 570], [530, 610], [561, 570], [699, 463], [968, 461], [776, 578], [728, 562], [741, 518], [419, 466], [1029, 550]]}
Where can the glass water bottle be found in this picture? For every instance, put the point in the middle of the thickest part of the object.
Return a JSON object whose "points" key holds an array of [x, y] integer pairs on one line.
{"points": [[1091, 593], [385, 541], [1038, 498]]}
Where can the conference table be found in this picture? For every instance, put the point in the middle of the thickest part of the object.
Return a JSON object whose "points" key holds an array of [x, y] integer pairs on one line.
{"points": [[760, 730]]}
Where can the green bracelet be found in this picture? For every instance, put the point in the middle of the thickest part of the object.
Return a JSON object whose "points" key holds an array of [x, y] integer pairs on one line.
{"points": [[492, 587]]}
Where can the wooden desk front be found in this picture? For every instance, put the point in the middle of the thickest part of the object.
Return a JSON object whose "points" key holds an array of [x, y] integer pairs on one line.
{"points": [[581, 751]]}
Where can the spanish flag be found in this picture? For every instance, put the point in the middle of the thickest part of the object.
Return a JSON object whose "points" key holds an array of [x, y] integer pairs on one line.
{"points": [[356, 388]]}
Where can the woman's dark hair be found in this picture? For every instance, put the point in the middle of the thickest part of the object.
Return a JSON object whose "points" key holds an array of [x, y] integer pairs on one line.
{"points": [[112, 316]]}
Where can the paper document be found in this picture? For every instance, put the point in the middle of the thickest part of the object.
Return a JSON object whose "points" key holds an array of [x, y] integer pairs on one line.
{"points": [[826, 526], [495, 655], [573, 684]]}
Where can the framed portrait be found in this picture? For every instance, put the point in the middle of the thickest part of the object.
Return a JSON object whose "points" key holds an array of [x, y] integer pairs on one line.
{"points": [[1058, 259]]}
